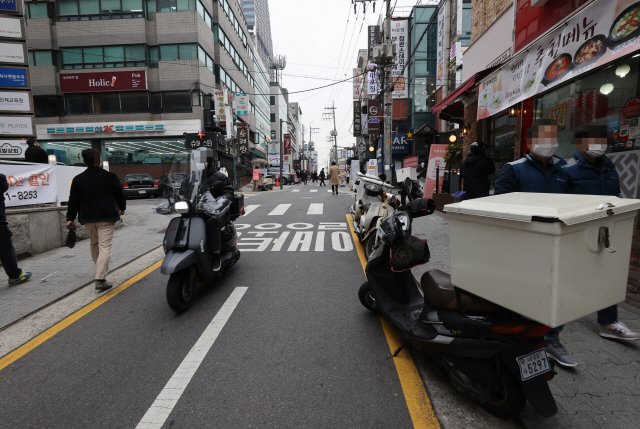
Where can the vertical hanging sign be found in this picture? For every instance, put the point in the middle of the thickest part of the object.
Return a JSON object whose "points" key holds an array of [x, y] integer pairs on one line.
{"points": [[400, 73], [357, 118], [357, 83], [373, 38]]}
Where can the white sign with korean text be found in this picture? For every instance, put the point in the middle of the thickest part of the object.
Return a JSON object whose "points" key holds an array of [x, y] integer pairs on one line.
{"points": [[441, 48], [10, 28], [30, 184], [14, 102], [274, 160], [16, 125], [400, 72], [12, 148], [358, 78], [372, 81], [12, 53]]}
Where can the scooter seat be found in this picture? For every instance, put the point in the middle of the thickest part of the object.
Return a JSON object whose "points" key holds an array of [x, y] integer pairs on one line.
{"points": [[439, 292]]}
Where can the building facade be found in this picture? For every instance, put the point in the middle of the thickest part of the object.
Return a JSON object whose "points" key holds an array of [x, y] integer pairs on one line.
{"points": [[256, 13]]}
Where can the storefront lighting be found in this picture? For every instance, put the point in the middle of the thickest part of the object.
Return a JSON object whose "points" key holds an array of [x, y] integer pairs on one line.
{"points": [[105, 165], [636, 56], [371, 149], [606, 88], [513, 112], [465, 129], [623, 70], [452, 138], [52, 159]]}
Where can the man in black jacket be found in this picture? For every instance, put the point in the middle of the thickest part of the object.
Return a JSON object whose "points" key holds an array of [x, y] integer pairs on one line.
{"points": [[7, 251], [98, 199], [476, 170], [35, 153]]}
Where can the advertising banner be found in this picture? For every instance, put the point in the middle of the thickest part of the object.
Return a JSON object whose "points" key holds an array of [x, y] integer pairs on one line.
{"points": [[12, 148], [373, 87], [600, 33], [372, 167], [274, 148], [10, 28], [355, 169], [30, 184], [13, 53], [13, 77], [455, 55], [357, 118], [365, 124], [243, 141], [400, 144], [15, 102], [400, 73], [9, 5], [16, 126], [287, 144], [440, 51], [274, 160], [436, 162], [456, 20], [373, 107], [218, 104], [242, 105], [103, 81], [358, 79], [373, 39]]}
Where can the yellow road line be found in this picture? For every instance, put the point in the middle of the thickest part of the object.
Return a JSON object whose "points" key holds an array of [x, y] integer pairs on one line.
{"points": [[58, 327], [418, 403]]}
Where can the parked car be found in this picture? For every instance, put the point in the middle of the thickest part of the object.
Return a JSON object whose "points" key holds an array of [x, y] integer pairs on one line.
{"points": [[170, 182], [288, 177], [140, 185]]}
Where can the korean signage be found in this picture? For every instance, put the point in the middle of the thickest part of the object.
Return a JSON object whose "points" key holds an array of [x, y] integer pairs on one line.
{"points": [[118, 127], [456, 20], [400, 143], [357, 118], [435, 169], [441, 48], [373, 107], [16, 126], [373, 39], [274, 148], [287, 144], [13, 77], [358, 78], [372, 81], [103, 81], [365, 124], [12, 148], [274, 160], [243, 141], [30, 184], [219, 97], [10, 28], [597, 35], [242, 105], [200, 139], [9, 5], [14, 53], [15, 102], [400, 73], [455, 55]]}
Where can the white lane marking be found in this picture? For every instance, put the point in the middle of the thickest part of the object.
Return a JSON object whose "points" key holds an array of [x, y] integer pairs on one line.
{"points": [[332, 225], [329, 190], [168, 398], [315, 209], [313, 190], [251, 207], [346, 244], [296, 190], [320, 242], [302, 238], [280, 210], [279, 242], [300, 225], [262, 244]]}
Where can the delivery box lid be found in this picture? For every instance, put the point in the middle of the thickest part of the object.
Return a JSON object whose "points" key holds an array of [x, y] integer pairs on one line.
{"points": [[527, 207]]}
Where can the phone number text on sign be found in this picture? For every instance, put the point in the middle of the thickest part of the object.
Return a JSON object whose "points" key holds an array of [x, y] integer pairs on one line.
{"points": [[30, 185]]}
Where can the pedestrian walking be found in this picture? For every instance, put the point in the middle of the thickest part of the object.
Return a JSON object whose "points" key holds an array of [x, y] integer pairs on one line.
{"points": [[540, 171], [334, 178], [35, 153], [256, 177], [315, 176], [97, 198], [591, 172], [8, 255], [321, 177], [476, 171], [305, 176]]}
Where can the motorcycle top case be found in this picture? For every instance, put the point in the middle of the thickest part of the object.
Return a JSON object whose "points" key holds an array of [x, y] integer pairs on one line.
{"points": [[237, 209], [543, 255]]}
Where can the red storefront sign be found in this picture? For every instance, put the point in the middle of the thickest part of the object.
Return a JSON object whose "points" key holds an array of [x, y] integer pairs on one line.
{"points": [[631, 108], [287, 144], [375, 115], [103, 81], [435, 169]]}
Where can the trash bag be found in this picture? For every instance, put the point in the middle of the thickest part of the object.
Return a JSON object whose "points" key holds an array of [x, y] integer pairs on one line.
{"points": [[214, 207], [164, 208], [71, 237]]}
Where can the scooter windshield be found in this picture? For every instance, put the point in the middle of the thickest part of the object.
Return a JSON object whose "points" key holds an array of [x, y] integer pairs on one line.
{"points": [[186, 173]]}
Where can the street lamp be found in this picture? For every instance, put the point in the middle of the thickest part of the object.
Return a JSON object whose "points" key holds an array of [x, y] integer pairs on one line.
{"points": [[282, 150]]}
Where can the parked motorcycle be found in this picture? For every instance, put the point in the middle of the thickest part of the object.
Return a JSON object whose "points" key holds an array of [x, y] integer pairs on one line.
{"points": [[410, 190], [494, 355], [188, 260]]}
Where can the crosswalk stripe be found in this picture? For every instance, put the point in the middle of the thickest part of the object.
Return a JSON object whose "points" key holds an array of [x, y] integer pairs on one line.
{"points": [[296, 190], [329, 190], [280, 210], [315, 209], [251, 207], [314, 190]]}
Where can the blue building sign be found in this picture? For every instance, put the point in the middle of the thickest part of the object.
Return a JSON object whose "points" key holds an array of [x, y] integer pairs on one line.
{"points": [[400, 143], [13, 77], [9, 5]]}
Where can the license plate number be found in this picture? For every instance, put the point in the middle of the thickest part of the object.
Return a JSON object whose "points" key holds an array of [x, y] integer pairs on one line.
{"points": [[142, 192], [533, 364]]}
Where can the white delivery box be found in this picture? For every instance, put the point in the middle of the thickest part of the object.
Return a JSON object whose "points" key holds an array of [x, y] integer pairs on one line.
{"points": [[543, 255], [403, 173]]}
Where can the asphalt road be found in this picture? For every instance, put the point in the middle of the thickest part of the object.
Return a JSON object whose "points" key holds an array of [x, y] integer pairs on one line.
{"points": [[298, 349]]}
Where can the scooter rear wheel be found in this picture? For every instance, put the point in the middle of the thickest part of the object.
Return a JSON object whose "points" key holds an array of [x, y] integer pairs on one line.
{"points": [[369, 244], [509, 400], [366, 297], [180, 291]]}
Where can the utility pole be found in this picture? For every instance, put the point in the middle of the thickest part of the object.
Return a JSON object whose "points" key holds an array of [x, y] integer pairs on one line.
{"points": [[388, 101], [282, 150], [334, 133]]}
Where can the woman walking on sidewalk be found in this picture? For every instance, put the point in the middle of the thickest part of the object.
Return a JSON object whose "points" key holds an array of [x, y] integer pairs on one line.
{"points": [[256, 177]]}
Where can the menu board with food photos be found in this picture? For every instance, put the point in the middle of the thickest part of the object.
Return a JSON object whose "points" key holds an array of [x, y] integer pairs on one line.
{"points": [[602, 32]]}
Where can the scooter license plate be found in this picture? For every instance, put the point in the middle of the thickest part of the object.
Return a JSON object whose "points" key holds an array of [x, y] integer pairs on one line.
{"points": [[533, 364], [142, 192]]}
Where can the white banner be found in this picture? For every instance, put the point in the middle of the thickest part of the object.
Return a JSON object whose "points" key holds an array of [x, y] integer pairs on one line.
{"points": [[440, 52], [274, 160], [355, 169], [372, 82], [372, 167], [16, 126], [358, 78], [10, 28], [15, 102], [12, 53], [400, 73], [30, 184], [13, 148]]}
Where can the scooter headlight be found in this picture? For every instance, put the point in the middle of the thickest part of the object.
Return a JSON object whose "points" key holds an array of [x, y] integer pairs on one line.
{"points": [[182, 207]]}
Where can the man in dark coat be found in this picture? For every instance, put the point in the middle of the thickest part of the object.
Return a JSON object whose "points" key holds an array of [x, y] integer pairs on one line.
{"points": [[476, 171], [321, 177], [7, 251], [35, 153], [98, 199]]}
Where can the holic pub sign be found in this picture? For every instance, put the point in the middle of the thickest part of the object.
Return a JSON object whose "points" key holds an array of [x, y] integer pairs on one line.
{"points": [[103, 81]]}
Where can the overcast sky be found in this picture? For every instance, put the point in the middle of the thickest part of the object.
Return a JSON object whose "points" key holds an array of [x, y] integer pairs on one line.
{"points": [[321, 40]]}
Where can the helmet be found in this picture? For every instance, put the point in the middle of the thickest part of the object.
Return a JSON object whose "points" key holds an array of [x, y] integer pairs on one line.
{"points": [[478, 148]]}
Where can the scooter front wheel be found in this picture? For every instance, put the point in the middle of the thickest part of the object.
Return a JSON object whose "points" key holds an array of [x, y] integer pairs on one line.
{"points": [[369, 245], [509, 399], [180, 290], [366, 297]]}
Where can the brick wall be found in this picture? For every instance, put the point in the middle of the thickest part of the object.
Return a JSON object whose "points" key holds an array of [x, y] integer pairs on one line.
{"points": [[484, 13]]}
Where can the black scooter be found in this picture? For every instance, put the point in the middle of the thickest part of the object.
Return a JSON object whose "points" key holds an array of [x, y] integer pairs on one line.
{"points": [[487, 351]]}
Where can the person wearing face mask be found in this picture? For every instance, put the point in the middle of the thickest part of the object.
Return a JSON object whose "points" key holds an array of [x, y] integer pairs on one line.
{"points": [[592, 173], [540, 170]]}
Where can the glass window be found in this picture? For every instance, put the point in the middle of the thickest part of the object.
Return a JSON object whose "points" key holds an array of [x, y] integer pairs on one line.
{"points": [[168, 52], [502, 140], [151, 10], [207, 20], [134, 53], [78, 104], [153, 53], [37, 10], [184, 5], [68, 7], [156, 102], [72, 56], [113, 54], [134, 102], [93, 55], [176, 102], [166, 5], [273, 117], [188, 52], [202, 56], [89, 7], [45, 106], [42, 58], [132, 5], [106, 102], [272, 101], [110, 6]]}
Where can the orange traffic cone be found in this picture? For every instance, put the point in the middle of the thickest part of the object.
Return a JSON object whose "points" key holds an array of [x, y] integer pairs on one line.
{"points": [[277, 180]]}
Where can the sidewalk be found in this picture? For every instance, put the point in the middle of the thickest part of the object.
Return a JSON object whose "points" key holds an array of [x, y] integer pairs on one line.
{"points": [[602, 392], [61, 271]]}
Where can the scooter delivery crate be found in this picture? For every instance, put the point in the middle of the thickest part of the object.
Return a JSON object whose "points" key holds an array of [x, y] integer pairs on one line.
{"points": [[550, 257]]}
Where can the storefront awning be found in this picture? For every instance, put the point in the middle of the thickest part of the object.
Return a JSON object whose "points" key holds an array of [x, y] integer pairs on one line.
{"points": [[452, 108], [257, 153], [456, 94]]}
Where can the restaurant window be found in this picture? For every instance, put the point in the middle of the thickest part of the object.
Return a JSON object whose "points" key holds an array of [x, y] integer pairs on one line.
{"points": [[580, 103], [176, 102], [102, 103], [105, 103], [78, 104], [134, 102], [86, 10]]}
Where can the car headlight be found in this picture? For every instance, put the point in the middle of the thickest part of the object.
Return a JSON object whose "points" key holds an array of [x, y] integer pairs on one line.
{"points": [[182, 207]]}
